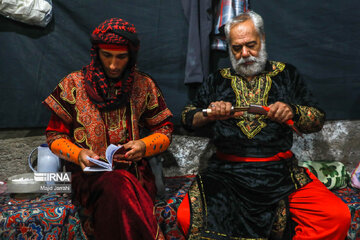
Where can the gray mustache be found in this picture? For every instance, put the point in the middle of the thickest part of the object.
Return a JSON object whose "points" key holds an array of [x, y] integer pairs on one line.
{"points": [[248, 59]]}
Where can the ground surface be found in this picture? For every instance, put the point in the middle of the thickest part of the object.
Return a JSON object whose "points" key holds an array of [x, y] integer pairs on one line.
{"points": [[15, 147]]}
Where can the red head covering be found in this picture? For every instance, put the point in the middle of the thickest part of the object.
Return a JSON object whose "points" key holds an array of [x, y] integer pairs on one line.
{"points": [[106, 46], [113, 33]]}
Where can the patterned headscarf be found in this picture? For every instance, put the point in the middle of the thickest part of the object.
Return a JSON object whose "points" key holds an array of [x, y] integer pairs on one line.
{"points": [[112, 31]]}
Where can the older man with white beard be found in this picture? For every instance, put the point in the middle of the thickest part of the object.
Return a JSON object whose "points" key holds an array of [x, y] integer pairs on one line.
{"points": [[252, 187]]}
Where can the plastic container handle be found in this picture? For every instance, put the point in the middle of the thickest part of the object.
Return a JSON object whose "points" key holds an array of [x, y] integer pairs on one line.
{"points": [[29, 160]]}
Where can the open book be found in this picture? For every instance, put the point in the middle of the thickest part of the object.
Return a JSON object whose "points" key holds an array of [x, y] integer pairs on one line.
{"points": [[104, 164]]}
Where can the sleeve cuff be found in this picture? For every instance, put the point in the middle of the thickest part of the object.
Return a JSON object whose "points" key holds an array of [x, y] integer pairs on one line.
{"points": [[155, 143], [189, 117]]}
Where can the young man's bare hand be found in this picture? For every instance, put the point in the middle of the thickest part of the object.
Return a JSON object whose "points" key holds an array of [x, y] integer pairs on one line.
{"points": [[133, 151], [83, 161]]}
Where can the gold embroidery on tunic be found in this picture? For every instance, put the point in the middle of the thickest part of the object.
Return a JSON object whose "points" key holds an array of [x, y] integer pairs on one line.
{"points": [[116, 122], [80, 134], [132, 121], [59, 105], [255, 91], [310, 118], [65, 96], [197, 211], [149, 100], [186, 110]]}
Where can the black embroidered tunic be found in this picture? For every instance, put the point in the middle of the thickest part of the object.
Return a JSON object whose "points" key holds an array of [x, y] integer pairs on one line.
{"points": [[255, 135], [249, 200]]}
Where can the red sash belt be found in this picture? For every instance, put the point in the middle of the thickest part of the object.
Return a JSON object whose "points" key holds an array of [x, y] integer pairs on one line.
{"points": [[234, 158]]}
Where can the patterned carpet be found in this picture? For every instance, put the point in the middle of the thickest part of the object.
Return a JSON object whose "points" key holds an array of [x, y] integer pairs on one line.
{"points": [[167, 206], [49, 216], [351, 196], [52, 216]]}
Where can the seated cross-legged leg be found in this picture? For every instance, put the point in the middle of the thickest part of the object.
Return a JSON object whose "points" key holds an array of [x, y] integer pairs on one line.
{"points": [[120, 206], [319, 214]]}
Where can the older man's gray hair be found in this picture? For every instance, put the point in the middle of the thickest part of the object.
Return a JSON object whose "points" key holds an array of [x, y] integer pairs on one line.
{"points": [[256, 18]]}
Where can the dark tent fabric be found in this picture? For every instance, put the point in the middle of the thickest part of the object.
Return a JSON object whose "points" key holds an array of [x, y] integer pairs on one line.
{"points": [[321, 39], [33, 60], [198, 14]]}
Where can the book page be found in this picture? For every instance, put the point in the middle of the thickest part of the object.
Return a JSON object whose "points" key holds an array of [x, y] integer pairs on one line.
{"points": [[110, 151], [96, 169], [101, 165], [99, 162]]}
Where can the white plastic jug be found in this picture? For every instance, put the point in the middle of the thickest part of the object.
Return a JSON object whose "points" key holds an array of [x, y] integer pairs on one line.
{"points": [[46, 160]]}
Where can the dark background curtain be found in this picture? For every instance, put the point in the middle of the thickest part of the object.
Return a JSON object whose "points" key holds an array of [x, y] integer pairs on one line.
{"points": [[33, 60], [320, 38]]}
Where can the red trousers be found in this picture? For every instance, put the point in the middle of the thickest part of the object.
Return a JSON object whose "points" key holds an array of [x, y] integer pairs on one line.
{"points": [[319, 214]]}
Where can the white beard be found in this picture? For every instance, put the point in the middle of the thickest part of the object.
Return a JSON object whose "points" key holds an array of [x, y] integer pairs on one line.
{"points": [[252, 69]]}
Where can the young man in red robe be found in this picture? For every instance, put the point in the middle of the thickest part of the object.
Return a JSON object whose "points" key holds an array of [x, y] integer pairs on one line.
{"points": [[108, 102]]}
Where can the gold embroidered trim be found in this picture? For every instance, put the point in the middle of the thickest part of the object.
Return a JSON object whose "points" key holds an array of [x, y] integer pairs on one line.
{"points": [[117, 120], [196, 211], [277, 68], [80, 134], [63, 94], [251, 124], [203, 197], [132, 120], [51, 101], [280, 222], [163, 112], [185, 111], [148, 99], [300, 177], [157, 231], [311, 119], [84, 129], [51, 136], [198, 208]]}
